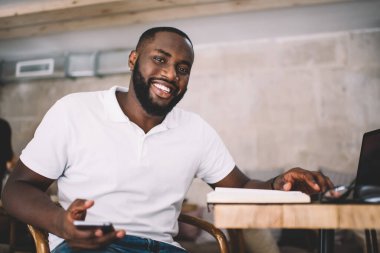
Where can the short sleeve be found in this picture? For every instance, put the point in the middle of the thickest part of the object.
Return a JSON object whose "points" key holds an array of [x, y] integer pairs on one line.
{"points": [[216, 161], [46, 153]]}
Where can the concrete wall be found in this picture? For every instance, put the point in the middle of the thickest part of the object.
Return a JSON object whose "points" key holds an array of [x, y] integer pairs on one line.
{"points": [[277, 103], [283, 102]]}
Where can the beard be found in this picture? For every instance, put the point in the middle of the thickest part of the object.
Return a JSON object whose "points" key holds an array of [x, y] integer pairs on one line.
{"points": [[141, 87]]}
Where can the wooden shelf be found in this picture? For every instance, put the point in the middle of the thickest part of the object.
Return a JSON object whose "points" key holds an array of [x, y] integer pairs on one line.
{"points": [[34, 18]]}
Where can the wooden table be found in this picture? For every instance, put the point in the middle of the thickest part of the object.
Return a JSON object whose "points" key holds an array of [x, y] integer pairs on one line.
{"points": [[326, 217]]}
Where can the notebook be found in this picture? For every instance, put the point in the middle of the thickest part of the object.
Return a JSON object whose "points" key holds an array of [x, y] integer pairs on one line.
{"points": [[243, 195]]}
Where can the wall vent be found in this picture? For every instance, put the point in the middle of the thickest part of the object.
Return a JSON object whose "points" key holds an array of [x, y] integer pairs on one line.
{"points": [[35, 68]]}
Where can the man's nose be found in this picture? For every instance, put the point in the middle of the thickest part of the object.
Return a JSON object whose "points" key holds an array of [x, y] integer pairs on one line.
{"points": [[170, 73]]}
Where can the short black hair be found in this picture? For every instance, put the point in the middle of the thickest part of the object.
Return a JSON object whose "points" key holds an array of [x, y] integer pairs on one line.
{"points": [[150, 33]]}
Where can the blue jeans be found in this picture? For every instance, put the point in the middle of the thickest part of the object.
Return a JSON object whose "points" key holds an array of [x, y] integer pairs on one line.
{"points": [[128, 244]]}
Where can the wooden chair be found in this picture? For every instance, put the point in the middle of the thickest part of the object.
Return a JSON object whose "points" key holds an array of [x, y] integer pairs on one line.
{"points": [[42, 245]]}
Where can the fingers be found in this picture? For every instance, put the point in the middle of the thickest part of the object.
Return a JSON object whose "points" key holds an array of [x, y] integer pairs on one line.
{"points": [[295, 179], [323, 181], [310, 180], [116, 233], [78, 209], [287, 186], [283, 183], [94, 239], [305, 181], [120, 234]]}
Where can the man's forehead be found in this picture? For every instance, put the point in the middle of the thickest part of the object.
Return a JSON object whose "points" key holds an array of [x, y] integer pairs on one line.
{"points": [[170, 41], [171, 38]]}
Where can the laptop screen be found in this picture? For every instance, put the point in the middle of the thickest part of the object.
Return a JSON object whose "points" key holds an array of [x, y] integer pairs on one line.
{"points": [[369, 162]]}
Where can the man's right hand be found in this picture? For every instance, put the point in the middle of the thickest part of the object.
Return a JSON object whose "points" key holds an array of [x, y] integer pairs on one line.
{"points": [[24, 198], [79, 238]]}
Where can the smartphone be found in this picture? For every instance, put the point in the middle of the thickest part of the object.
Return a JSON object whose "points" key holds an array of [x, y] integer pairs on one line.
{"points": [[106, 227]]}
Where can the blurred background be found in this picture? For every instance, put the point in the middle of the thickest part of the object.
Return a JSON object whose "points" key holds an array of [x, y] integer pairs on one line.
{"points": [[284, 82]]}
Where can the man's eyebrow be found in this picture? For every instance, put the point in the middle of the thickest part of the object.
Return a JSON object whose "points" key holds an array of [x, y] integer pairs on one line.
{"points": [[169, 55], [163, 52]]}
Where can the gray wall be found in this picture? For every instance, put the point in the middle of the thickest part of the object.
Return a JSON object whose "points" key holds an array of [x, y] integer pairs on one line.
{"points": [[300, 100]]}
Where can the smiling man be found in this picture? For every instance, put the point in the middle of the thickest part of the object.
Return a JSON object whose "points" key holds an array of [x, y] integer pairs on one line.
{"points": [[161, 67], [128, 156]]}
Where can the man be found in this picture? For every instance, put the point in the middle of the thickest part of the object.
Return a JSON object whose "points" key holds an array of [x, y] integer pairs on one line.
{"points": [[128, 156]]}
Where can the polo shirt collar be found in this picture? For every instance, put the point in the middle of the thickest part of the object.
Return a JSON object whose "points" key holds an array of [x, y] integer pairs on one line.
{"points": [[112, 107], [115, 113], [171, 120]]}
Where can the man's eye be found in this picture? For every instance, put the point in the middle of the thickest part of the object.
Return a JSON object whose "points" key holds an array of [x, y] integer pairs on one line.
{"points": [[183, 70], [158, 59]]}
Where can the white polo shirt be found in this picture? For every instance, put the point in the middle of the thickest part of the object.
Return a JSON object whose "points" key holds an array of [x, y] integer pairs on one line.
{"points": [[89, 145]]}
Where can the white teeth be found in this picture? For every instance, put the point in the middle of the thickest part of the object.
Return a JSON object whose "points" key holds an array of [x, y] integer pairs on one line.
{"points": [[162, 87]]}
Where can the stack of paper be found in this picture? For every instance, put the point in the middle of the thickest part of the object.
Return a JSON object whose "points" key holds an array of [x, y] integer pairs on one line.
{"points": [[243, 195]]}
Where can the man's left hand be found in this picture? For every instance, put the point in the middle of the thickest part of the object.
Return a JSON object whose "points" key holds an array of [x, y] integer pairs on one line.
{"points": [[298, 179]]}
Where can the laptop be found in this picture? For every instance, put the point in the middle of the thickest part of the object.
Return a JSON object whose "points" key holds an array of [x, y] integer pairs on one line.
{"points": [[368, 175]]}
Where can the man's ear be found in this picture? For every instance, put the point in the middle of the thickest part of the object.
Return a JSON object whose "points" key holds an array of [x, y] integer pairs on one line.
{"points": [[132, 59]]}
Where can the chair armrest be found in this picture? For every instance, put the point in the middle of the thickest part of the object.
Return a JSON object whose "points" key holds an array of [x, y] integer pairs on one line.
{"points": [[40, 239], [208, 227]]}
